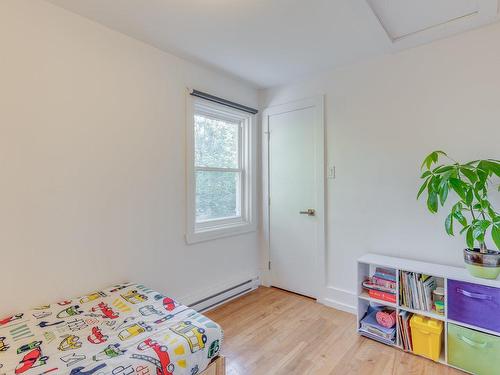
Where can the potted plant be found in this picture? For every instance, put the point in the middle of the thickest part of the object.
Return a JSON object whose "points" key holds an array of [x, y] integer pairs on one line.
{"points": [[471, 208]]}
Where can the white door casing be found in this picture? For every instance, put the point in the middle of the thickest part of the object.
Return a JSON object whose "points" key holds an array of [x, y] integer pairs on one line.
{"points": [[294, 181]]}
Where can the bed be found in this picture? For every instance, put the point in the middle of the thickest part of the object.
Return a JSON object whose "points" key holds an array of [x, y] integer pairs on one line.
{"points": [[125, 329]]}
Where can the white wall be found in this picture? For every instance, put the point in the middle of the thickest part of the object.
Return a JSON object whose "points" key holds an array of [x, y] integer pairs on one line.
{"points": [[92, 162], [382, 117]]}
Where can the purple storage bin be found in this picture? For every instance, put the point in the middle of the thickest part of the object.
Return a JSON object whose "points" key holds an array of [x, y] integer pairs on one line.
{"points": [[474, 304]]}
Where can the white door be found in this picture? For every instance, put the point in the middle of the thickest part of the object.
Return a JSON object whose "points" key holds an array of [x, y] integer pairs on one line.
{"points": [[295, 161]]}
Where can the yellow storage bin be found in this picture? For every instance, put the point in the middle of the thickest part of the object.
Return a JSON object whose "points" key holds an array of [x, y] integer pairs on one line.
{"points": [[426, 336]]}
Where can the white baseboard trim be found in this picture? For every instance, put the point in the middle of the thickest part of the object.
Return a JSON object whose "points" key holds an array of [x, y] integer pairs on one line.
{"points": [[336, 298], [339, 299], [338, 305], [265, 277]]}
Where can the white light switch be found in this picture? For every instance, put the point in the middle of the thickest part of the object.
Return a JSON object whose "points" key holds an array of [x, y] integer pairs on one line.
{"points": [[331, 172]]}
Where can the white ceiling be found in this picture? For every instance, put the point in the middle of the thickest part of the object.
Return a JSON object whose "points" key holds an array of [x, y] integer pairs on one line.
{"points": [[403, 18], [272, 42]]}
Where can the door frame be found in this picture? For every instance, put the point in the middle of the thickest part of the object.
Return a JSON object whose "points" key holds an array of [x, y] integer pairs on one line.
{"points": [[317, 103]]}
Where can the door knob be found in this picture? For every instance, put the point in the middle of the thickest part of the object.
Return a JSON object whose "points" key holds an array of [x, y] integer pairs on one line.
{"points": [[309, 212]]}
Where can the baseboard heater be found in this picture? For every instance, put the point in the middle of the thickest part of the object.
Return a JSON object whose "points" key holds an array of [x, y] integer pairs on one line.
{"points": [[225, 295]]}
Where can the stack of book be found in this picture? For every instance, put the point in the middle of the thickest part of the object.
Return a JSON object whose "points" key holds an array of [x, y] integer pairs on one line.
{"points": [[404, 330], [369, 327], [416, 290], [382, 285]]}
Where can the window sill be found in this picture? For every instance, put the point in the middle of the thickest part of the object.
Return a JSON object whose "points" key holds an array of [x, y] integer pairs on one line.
{"points": [[209, 234]]}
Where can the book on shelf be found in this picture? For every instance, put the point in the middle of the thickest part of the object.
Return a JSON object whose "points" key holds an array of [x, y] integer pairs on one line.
{"points": [[404, 330], [389, 284], [370, 285], [415, 290], [383, 296], [385, 274], [382, 285]]}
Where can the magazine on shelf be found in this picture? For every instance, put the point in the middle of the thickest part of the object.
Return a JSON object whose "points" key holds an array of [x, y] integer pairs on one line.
{"points": [[370, 326], [377, 338]]}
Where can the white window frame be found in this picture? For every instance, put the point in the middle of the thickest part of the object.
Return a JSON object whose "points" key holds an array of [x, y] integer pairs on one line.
{"points": [[218, 228]]}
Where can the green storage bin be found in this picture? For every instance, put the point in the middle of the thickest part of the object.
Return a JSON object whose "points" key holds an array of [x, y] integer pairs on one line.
{"points": [[473, 351]]}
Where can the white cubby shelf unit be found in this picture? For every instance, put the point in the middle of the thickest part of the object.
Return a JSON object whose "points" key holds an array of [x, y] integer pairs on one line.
{"points": [[366, 266]]}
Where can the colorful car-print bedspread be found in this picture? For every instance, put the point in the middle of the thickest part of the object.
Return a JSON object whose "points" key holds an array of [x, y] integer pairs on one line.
{"points": [[123, 330]]}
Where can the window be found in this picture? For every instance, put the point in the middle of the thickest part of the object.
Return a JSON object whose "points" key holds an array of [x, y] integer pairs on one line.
{"points": [[221, 184]]}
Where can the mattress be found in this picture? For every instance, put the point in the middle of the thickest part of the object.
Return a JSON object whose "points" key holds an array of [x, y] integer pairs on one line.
{"points": [[121, 330]]}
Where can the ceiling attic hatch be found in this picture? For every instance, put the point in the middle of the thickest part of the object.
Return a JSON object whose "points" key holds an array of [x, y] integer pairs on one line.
{"points": [[408, 18]]}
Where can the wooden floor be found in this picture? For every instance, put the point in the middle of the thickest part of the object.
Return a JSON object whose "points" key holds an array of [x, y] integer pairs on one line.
{"points": [[270, 331]]}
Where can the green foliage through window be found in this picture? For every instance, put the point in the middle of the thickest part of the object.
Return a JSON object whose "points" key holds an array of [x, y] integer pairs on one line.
{"points": [[216, 195], [216, 143], [217, 166]]}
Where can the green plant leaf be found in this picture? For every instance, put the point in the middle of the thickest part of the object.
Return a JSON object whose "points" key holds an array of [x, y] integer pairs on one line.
{"points": [[458, 186], [484, 224], [448, 224], [464, 229], [427, 162], [445, 177], [477, 190], [422, 188], [466, 166], [469, 174], [435, 181], [426, 174], [431, 159], [478, 234], [436, 168], [479, 230], [460, 218], [443, 168], [492, 213], [457, 207], [492, 166], [432, 202], [484, 204], [443, 194], [472, 162], [469, 197], [441, 152], [495, 234], [470, 238], [482, 174]]}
